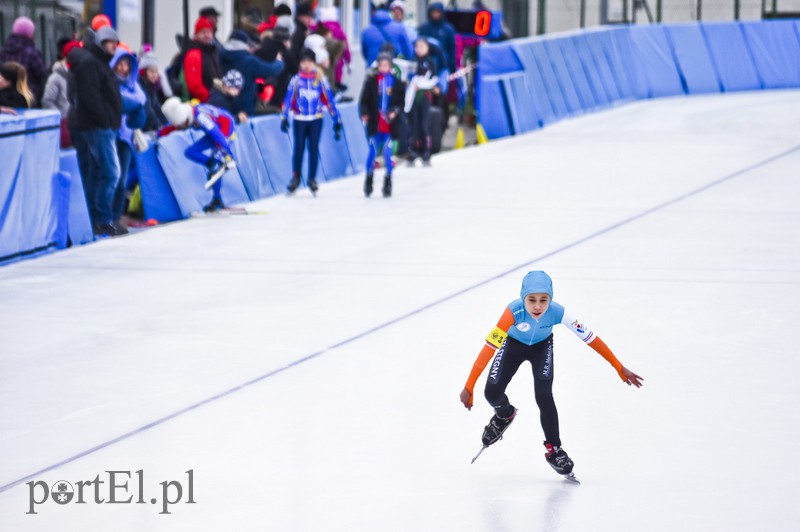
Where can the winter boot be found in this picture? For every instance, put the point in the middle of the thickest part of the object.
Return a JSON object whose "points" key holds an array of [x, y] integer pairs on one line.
{"points": [[215, 205], [368, 185], [294, 184], [387, 186], [558, 459], [493, 432]]}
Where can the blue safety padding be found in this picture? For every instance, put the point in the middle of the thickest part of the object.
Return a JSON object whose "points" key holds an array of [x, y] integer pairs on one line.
{"points": [[577, 72], [61, 198], [731, 56], [694, 61], [158, 199], [592, 71], [187, 179], [498, 59], [355, 136], [776, 52], [493, 114], [593, 42], [250, 163], [523, 112], [622, 47], [653, 57], [565, 82], [275, 149], [537, 91], [334, 159], [79, 222], [550, 80], [11, 186]]}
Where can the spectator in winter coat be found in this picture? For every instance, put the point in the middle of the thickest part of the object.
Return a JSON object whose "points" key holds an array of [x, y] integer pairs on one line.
{"points": [[422, 87], [441, 30], [384, 29], [19, 48], [238, 57], [55, 90], [14, 91], [134, 100], [273, 48], [201, 63], [304, 21], [398, 11], [329, 18], [212, 15], [156, 89], [231, 87], [95, 115]]}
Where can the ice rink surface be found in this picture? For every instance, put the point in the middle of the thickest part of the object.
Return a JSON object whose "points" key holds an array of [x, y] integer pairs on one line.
{"points": [[305, 365]]}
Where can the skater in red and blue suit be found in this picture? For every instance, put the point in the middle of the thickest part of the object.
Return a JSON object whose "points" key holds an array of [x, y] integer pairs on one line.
{"points": [[524, 332], [213, 150], [306, 97], [381, 105]]}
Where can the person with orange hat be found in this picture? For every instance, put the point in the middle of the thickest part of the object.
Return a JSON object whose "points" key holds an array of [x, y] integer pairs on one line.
{"points": [[201, 64]]}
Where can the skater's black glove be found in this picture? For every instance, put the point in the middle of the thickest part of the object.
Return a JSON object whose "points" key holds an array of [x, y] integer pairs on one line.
{"points": [[337, 130], [284, 125]]}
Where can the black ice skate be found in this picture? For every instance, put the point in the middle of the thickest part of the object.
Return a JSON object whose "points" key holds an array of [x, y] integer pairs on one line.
{"points": [[387, 186], [560, 461], [294, 184], [493, 432], [368, 185], [313, 187], [215, 205]]}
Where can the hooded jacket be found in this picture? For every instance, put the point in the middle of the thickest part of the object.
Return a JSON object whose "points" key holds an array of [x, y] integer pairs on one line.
{"points": [[55, 90], [95, 101], [200, 68], [442, 31], [251, 68], [133, 97], [22, 50], [385, 29]]}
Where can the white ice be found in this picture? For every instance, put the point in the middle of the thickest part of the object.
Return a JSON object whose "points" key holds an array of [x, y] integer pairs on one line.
{"points": [[671, 227]]}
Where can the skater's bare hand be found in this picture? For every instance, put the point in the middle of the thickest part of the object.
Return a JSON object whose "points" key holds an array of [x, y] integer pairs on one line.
{"points": [[466, 398], [632, 378]]}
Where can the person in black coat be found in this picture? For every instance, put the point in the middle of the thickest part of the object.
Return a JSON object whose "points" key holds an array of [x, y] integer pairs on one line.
{"points": [[94, 117], [271, 49]]}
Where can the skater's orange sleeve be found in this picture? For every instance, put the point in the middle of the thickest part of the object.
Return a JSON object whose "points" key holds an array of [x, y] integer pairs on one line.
{"points": [[493, 341], [598, 345]]}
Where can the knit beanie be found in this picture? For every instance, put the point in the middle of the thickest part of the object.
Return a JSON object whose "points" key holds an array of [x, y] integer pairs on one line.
{"points": [[202, 24], [148, 60], [23, 26], [106, 33]]}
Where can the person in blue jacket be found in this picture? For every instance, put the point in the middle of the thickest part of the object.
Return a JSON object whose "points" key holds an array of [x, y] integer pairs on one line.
{"points": [[306, 97], [213, 150], [441, 30], [236, 56], [382, 30], [134, 116]]}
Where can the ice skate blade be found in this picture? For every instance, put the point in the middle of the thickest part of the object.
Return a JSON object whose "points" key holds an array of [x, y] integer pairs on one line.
{"points": [[479, 453], [570, 477]]}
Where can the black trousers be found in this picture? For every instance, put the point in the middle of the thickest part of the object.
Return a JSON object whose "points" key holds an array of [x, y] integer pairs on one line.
{"points": [[506, 362]]}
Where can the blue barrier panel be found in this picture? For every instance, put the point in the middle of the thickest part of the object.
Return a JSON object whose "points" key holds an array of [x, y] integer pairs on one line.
{"points": [[776, 52], [549, 79], [493, 108], [334, 159], [79, 223], [158, 199], [356, 137], [731, 56], [523, 113], [187, 178], [576, 72], [251, 165], [591, 42], [653, 56], [622, 48], [275, 149], [498, 59], [537, 91], [61, 198], [694, 62], [563, 77], [592, 70]]}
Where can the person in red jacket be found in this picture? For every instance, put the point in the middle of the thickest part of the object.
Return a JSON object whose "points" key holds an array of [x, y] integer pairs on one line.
{"points": [[201, 63]]}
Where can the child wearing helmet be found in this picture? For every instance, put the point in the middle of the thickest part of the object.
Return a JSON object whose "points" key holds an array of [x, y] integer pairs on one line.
{"points": [[524, 332], [213, 150]]}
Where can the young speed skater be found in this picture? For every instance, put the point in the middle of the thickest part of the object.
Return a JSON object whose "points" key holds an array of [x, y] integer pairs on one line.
{"points": [[219, 129], [381, 103], [306, 95], [423, 85], [524, 332]]}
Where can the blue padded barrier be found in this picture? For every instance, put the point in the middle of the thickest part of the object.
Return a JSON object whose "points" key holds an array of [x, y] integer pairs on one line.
{"points": [[550, 80], [537, 91], [334, 158], [498, 59], [591, 42], [494, 115], [576, 72], [622, 46], [653, 56], [776, 52], [592, 71], [79, 224], [187, 179], [565, 82], [61, 198], [158, 199], [731, 56], [251, 165], [523, 113], [694, 61], [608, 44], [355, 136], [275, 149]]}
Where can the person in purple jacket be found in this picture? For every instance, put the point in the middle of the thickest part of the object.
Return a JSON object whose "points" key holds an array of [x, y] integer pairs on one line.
{"points": [[308, 93]]}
